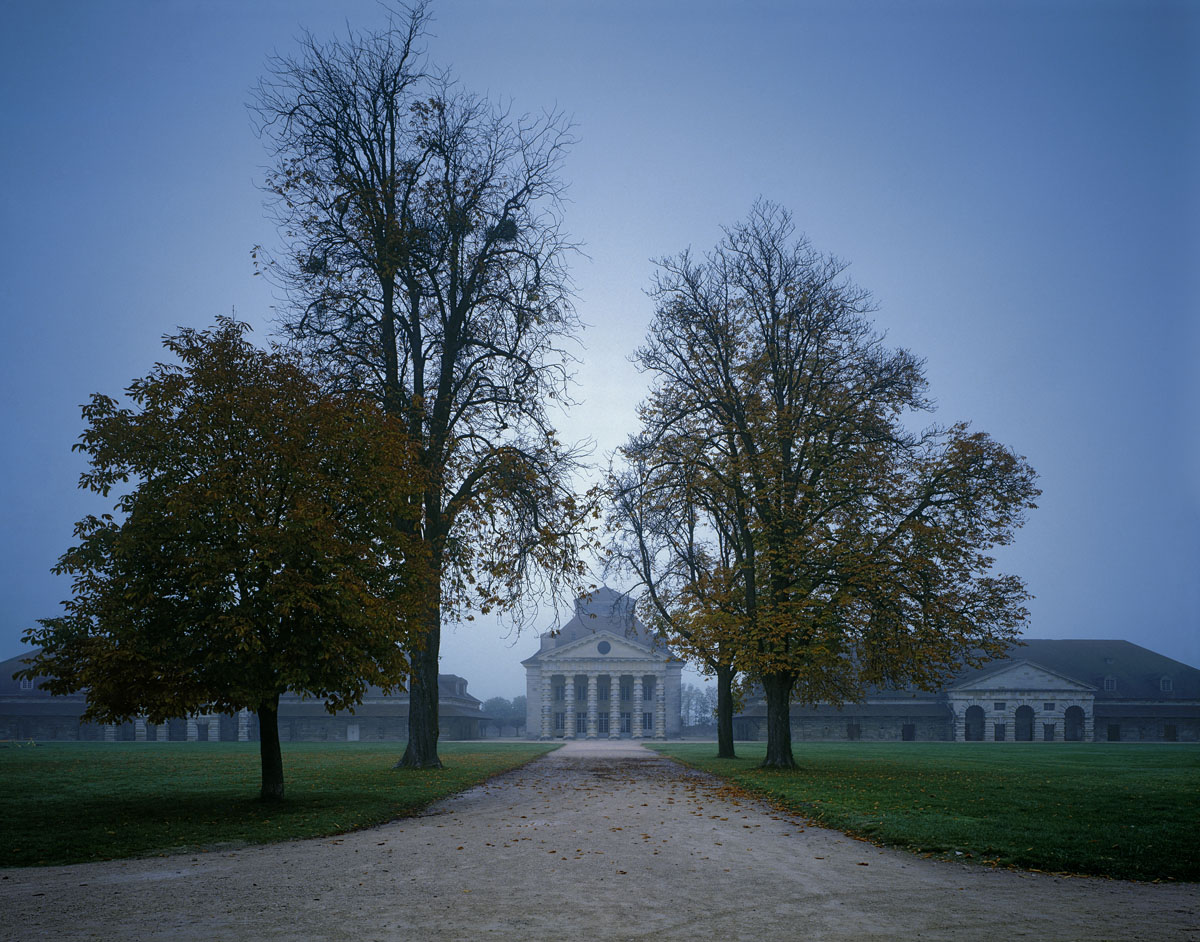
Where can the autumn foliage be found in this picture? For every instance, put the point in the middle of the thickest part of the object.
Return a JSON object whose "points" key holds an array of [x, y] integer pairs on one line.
{"points": [[254, 547], [780, 505]]}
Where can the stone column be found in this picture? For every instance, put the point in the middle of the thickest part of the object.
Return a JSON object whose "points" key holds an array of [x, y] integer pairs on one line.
{"points": [[243, 725], [635, 719], [614, 706], [139, 729], [547, 714], [660, 705], [110, 732], [162, 732], [193, 731], [569, 720], [593, 706]]}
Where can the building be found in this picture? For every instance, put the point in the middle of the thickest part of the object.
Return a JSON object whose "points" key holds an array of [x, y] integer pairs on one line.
{"points": [[603, 675], [27, 712], [1045, 691]]}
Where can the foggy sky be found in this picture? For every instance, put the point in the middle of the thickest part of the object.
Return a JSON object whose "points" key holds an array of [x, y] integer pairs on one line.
{"points": [[1016, 184]]}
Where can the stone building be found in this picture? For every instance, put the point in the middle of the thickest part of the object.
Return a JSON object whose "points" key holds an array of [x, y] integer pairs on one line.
{"points": [[1044, 691], [603, 675], [28, 712]]}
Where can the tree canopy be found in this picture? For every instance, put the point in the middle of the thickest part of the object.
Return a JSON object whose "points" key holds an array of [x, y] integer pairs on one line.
{"points": [[254, 548], [425, 260], [788, 511]]}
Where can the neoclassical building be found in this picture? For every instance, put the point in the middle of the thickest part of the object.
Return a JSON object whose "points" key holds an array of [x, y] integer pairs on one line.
{"points": [[1043, 691], [604, 675], [29, 712]]}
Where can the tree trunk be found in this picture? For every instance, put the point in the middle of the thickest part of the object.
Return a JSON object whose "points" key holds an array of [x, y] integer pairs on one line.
{"points": [[421, 752], [268, 748], [725, 712], [778, 688]]}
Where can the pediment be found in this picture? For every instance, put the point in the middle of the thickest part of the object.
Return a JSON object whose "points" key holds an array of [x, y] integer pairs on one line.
{"points": [[589, 648], [1022, 675]]}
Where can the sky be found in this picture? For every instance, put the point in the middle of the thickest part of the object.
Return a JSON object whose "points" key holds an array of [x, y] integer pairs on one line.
{"points": [[1016, 183]]}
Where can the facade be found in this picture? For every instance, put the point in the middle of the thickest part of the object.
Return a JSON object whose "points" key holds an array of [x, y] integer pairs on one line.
{"points": [[604, 675], [29, 713], [1044, 691]]}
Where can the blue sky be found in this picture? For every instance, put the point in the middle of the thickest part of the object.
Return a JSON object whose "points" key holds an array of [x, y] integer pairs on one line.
{"points": [[1016, 183]]}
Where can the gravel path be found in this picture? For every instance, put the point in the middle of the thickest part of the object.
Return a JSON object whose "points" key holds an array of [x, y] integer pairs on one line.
{"points": [[598, 840]]}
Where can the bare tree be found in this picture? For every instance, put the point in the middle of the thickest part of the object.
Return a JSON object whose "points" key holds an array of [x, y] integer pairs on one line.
{"points": [[854, 550], [425, 260]]}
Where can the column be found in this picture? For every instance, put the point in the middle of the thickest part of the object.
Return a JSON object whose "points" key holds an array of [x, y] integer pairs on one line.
{"points": [[193, 732], [635, 719], [660, 705], [243, 725], [547, 715], [593, 706], [162, 732], [139, 729], [614, 706], [110, 732], [569, 720]]}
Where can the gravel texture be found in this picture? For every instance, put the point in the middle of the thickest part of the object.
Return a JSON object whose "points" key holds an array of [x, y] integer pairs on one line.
{"points": [[598, 840]]}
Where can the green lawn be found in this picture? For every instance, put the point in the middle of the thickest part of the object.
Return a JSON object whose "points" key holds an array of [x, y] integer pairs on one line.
{"points": [[72, 802], [1130, 811]]}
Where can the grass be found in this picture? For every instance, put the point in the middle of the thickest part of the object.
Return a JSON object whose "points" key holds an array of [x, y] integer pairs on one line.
{"points": [[1130, 811], [73, 802]]}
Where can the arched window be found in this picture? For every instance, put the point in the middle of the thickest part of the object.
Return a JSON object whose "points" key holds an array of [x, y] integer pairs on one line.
{"points": [[1073, 730], [974, 726], [1024, 722]]}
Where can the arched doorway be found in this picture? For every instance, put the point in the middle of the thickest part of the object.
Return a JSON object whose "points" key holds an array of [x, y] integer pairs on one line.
{"points": [[1073, 731], [1024, 719], [974, 730]]}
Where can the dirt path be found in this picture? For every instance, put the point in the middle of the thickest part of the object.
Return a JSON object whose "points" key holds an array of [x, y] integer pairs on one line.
{"points": [[598, 840]]}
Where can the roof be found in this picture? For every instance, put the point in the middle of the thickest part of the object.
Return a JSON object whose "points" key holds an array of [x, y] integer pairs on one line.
{"points": [[1136, 671], [602, 610]]}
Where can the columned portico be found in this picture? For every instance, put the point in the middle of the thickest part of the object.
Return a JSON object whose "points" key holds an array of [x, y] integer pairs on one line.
{"points": [[603, 676]]}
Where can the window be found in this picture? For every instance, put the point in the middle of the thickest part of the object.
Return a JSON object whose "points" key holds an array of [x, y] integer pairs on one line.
{"points": [[626, 724], [999, 734], [26, 683], [627, 690], [581, 691], [1048, 707], [1165, 685], [647, 721], [1110, 684], [1000, 705], [602, 690], [853, 731], [560, 721], [603, 723], [581, 722], [560, 691]]}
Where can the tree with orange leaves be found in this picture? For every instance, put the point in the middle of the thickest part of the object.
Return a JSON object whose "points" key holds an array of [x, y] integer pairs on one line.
{"points": [[840, 548], [254, 549]]}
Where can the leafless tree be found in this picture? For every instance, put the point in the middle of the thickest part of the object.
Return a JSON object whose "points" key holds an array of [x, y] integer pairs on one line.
{"points": [[424, 258]]}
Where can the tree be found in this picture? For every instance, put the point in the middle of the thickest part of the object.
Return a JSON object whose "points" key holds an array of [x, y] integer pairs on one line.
{"points": [[424, 255], [677, 548], [254, 549], [499, 709], [852, 550], [698, 705]]}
